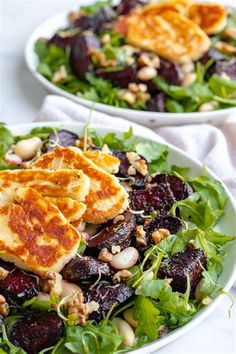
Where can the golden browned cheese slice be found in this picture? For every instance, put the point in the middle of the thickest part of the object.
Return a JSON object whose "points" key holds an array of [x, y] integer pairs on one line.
{"points": [[70, 208], [212, 18], [107, 162], [180, 6], [67, 183], [106, 198], [34, 234], [170, 35]]}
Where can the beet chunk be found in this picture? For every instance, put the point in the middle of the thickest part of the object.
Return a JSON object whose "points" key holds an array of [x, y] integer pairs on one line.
{"points": [[171, 223], [86, 268], [157, 103], [118, 234], [157, 198], [227, 67], [171, 72], [138, 179], [80, 55], [106, 295], [179, 264], [37, 331], [120, 78], [61, 137], [63, 41], [125, 6], [93, 22], [176, 185], [19, 286]]}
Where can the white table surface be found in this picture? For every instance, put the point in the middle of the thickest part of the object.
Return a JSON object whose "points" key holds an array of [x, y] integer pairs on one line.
{"points": [[20, 99]]}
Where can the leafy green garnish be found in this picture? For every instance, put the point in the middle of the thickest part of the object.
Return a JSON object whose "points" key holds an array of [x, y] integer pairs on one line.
{"points": [[40, 132], [156, 155], [6, 140], [95, 8]]}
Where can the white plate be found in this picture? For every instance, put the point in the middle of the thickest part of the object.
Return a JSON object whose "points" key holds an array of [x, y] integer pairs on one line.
{"points": [[150, 119], [227, 223]]}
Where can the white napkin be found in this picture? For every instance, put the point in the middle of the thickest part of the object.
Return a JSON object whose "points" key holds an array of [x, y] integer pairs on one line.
{"points": [[216, 147]]}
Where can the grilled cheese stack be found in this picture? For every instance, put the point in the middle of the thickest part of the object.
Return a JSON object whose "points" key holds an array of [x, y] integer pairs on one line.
{"points": [[34, 234], [106, 197]]}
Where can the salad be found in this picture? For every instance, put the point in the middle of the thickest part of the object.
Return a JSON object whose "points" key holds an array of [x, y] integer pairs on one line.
{"points": [[131, 279], [162, 57]]}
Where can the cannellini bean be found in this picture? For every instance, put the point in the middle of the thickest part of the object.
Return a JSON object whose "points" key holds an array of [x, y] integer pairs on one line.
{"points": [[125, 331], [13, 159], [147, 73], [208, 106], [27, 148], [43, 296], [125, 259], [69, 288], [129, 317], [189, 79]]}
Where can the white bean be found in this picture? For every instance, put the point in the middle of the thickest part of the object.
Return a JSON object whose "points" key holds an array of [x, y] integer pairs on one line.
{"points": [[147, 73], [129, 317], [208, 106], [125, 259], [125, 331], [43, 296], [69, 288], [189, 79], [27, 148]]}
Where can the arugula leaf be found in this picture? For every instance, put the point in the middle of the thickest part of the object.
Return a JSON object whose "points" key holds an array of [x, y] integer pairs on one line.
{"points": [[222, 87], [8, 347], [156, 155], [95, 8], [40, 132], [147, 316], [6, 139], [102, 338]]}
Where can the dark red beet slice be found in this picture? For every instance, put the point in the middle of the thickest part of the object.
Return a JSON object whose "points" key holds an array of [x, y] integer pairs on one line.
{"points": [[37, 331], [118, 234], [171, 223], [86, 268], [181, 264], [93, 22], [227, 67], [19, 286], [106, 295], [158, 198], [157, 103], [125, 6], [138, 179], [80, 55], [177, 186], [121, 78], [171, 72], [62, 40], [61, 137]]}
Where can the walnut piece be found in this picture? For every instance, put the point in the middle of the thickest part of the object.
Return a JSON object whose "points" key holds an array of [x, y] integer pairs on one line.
{"points": [[105, 255], [140, 236], [159, 235], [3, 273], [137, 163], [4, 307], [77, 310], [51, 282], [122, 275]]}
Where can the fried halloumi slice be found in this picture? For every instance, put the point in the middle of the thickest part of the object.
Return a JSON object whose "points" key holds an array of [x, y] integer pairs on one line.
{"points": [[70, 208], [106, 198], [180, 6], [170, 35], [212, 18], [107, 162], [34, 234], [67, 183]]}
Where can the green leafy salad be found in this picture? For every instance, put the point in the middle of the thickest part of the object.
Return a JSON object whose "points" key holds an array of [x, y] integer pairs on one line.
{"points": [[135, 277], [95, 58]]}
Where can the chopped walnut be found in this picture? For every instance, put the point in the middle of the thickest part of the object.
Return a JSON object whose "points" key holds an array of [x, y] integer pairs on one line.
{"points": [[131, 170], [59, 75], [51, 282], [3, 273], [115, 249], [73, 16], [149, 59], [140, 236], [4, 307], [159, 235], [137, 163], [80, 142], [225, 47], [122, 275], [118, 218], [101, 58], [77, 310], [105, 255]]}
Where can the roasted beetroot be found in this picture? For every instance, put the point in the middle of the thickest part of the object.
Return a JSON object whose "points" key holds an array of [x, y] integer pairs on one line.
{"points": [[118, 234], [63, 41], [80, 55], [228, 67], [19, 286], [176, 185], [106, 295], [170, 71], [157, 103], [125, 6], [37, 331], [93, 22], [86, 268], [137, 178], [158, 198], [120, 78], [61, 137], [182, 264]]}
